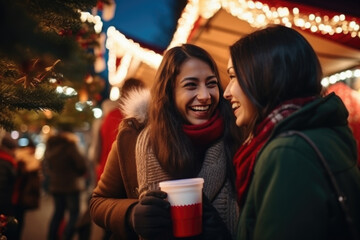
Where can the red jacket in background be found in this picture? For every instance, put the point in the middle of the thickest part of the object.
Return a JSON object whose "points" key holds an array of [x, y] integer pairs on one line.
{"points": [[108, 133]]}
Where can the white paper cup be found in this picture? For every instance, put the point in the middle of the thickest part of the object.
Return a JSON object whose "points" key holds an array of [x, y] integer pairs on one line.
{"points": [[185, 197]]}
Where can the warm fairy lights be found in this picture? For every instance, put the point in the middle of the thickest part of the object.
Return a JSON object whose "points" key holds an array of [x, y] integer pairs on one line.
{"points": [[258, 14], [255, 13], [186, 23], [341, 76], [121, 47], [96, 20]]}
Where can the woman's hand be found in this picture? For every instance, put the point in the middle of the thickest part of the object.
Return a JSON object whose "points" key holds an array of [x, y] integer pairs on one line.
{"points": [[150, 217], [213, 226]]}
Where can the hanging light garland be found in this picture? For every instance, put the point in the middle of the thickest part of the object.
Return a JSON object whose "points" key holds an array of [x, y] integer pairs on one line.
{"points": [[341, 76], [96, 20], [256, 13], [118, 44]]}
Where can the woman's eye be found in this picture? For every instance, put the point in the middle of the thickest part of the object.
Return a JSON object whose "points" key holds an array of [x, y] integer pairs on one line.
{"points": [[232, 76], [190, 84], [212, 83]]}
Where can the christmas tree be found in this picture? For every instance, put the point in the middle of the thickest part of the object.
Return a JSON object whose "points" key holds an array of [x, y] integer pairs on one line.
{"points": [[44, 44]]}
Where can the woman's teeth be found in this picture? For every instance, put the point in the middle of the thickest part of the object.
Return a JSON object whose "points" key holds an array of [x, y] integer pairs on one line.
{"points": [[200, 108], [235, 105]]}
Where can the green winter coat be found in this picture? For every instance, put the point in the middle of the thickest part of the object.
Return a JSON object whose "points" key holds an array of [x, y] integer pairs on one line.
{"points": [[290, 196]]}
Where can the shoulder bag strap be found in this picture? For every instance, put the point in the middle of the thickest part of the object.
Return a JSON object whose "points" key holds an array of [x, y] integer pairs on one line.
{"points": [[340, 196]]}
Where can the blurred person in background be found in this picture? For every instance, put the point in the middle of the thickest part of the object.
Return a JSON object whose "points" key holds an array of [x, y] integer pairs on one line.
{"points": [[109, 127], [94, 150], [8, 182], [66, 166], [29, 181]]}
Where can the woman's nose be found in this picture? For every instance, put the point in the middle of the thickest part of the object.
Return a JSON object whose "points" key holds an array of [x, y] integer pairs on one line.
{"points": [[203, 94], [227, 94]]}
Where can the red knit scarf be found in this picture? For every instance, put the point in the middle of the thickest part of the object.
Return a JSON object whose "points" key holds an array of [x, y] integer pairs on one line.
{"points": [[244, 159], [206, 133]]}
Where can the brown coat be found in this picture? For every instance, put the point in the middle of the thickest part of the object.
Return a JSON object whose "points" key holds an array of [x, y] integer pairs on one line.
{"points": [[117, 188]]}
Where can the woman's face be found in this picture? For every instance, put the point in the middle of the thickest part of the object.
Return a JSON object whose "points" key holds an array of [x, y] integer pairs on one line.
{"points": [[243, 109], [196, 91]]}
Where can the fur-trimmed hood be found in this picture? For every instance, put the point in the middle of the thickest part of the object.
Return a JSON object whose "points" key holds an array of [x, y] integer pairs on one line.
{"points": [[135, 105]]}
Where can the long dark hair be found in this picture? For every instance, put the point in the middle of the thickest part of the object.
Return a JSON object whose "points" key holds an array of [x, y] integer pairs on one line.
{"points": [[171, 146], [273, 65]]}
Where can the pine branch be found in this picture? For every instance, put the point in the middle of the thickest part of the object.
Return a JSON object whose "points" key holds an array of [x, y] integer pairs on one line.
{"points": [[36, 99], [41, 32], [45, 28], [6, 119]]}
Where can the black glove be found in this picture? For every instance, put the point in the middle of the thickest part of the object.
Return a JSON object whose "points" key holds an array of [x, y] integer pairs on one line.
{"points": [[214, 227], [150, 217]]}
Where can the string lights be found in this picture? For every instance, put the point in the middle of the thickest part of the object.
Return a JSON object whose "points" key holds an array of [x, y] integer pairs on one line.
{"points": [[341, 76], [256, 13], [96, 20]]}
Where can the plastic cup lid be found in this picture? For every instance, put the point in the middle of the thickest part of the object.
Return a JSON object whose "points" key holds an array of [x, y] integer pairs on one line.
{"points": [[182, 182]]}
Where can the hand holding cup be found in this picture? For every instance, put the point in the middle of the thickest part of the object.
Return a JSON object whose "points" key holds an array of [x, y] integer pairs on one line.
{"points": [[150, 217]]}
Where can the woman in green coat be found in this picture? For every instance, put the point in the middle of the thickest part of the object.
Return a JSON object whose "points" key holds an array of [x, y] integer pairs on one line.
{"points": [[283, 189]]}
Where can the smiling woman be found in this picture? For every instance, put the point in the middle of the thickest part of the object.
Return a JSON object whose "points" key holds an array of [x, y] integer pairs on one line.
{"points": [[185, 136], [243, 108], [196, 91], [283, 189]]}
